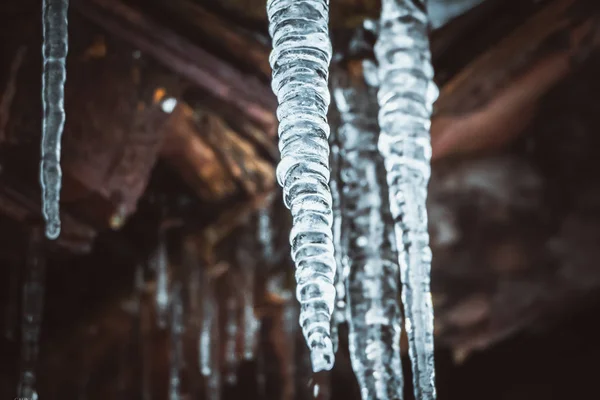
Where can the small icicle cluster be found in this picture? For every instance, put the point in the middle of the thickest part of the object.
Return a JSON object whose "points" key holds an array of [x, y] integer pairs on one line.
{"points": [[406, 97], [373, 295], [300, 62], [55, 47]]}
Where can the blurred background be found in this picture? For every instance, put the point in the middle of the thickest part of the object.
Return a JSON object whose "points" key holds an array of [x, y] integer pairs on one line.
{"points": [[172, 276]]}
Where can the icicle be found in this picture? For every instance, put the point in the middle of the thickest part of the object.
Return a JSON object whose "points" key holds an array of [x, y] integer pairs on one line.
{"points": [[209, 342], [33, 305], [373, 294], [300, 61], [246, 261], [160, 265], [176, 353], [55, 47], [265, 232], [406, 97], [232, 359], [339, 314]]}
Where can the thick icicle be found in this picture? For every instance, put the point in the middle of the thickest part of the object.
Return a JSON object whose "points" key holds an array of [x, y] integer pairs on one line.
{"points": [[160, 265], [373, 295], [55, 47], [406, 97], [33, 305], [300, 62], [176, 352]]}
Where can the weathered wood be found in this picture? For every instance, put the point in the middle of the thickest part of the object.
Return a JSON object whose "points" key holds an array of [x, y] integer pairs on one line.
{"points": [[495, 96], [216, 34], [344, 13], [186, 150], [201, 68]]}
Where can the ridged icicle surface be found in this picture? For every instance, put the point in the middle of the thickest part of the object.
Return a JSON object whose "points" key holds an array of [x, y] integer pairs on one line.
{"points": [[405, 97], [55, 46], [372, 285], [300, 62]]}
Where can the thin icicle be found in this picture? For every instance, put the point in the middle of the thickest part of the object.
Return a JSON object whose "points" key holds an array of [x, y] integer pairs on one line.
{"points": [[176, 353], [406, 97], [372, 286], [339, 314], [209, 342], [55, 47], [265, 232], [160, 265], [32, 308], [232, 359], [246, 261], [300, 62]]}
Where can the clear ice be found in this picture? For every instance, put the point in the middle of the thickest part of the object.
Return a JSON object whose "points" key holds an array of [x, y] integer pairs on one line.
{"points": [[300, 61], [55, 47], [32, 308], [406, 95], [372, 285]]}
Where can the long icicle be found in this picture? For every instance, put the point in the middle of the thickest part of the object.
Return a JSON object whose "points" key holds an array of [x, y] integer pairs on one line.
{"points": [[300, 62], [33, 305], [373, 295], [406, 97], [55, 47]]}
